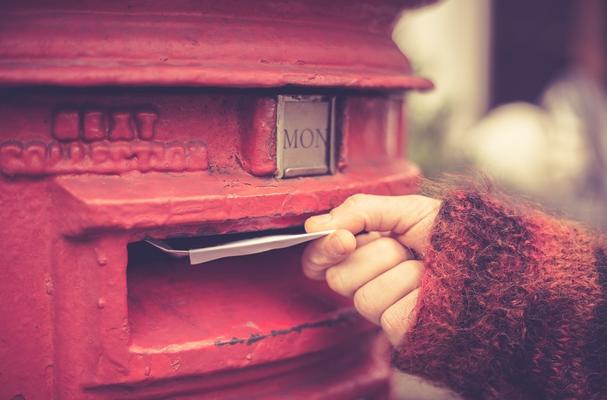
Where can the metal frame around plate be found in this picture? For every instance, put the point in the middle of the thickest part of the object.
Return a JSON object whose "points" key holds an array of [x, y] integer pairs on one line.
{"points": [[281, 172]]}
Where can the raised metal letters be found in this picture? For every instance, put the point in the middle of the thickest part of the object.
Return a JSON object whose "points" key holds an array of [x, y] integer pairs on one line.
{"points": [[103, 142], [96, 124], [37, 158]]}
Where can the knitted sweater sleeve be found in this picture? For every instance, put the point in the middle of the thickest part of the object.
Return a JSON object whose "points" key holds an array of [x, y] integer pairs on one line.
{"points": [[512, 305]]}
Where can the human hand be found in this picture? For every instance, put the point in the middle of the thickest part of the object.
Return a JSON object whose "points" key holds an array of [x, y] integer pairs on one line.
{"points": [[376, 268]]}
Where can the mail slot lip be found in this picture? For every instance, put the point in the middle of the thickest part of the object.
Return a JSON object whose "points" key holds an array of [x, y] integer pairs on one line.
{"points": [[149, 201], [197, 380]]}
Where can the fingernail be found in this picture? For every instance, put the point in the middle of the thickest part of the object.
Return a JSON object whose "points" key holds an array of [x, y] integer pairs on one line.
{"points": [[322, 219]]}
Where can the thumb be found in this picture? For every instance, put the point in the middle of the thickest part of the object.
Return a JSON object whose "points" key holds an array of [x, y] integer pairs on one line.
{"points": [[409, 218]]}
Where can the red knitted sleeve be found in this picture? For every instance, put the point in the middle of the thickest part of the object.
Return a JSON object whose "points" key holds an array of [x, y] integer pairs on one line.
{"points": [[512, 305]]}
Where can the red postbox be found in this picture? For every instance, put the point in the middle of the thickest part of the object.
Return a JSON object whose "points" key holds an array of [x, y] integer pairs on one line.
{"points": [[192, 122]]}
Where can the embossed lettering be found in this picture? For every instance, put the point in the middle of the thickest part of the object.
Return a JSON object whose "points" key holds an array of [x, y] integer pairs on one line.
{"points": [[37, 158], [97, 125], [110, 142]]}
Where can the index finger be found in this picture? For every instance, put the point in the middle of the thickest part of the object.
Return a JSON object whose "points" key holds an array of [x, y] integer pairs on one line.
{"points": [[408, 217], [327, 251]]}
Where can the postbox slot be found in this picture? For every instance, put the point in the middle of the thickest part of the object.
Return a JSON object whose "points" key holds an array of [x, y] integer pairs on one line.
{"points": [[141, 249], [227, 302]]}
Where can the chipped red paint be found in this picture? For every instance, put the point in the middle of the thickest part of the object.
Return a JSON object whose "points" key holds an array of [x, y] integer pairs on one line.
{"points": [[123, 120]]}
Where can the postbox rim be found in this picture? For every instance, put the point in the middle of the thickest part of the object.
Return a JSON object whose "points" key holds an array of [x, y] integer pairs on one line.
{"points": [[270, 45], [233, 77]]}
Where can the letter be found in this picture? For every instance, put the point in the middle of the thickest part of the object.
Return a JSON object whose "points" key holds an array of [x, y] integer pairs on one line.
{"points": [[66, 125], [143, 154], [100, 153], [146, 124], [35, 158], [94, 125], [322, 138], [175, 157], [55, 154], [123, 157], [197, 159], [122, 126], [290, 142], [309, 134], [76, 153], [157, 156], [11, 158]]}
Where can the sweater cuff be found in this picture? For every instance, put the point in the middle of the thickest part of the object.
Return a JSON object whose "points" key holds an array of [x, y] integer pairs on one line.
{"points": [[510, 305]]}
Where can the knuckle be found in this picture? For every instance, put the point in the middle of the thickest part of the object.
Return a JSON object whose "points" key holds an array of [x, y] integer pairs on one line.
{"points": [[415, 270], [363, 302], [335, 281], [418, 267], [391, 248], [356, 199], [388, 321]]}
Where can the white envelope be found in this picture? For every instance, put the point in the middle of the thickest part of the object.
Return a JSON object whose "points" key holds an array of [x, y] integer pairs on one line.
{"points": [[239, 247]]}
